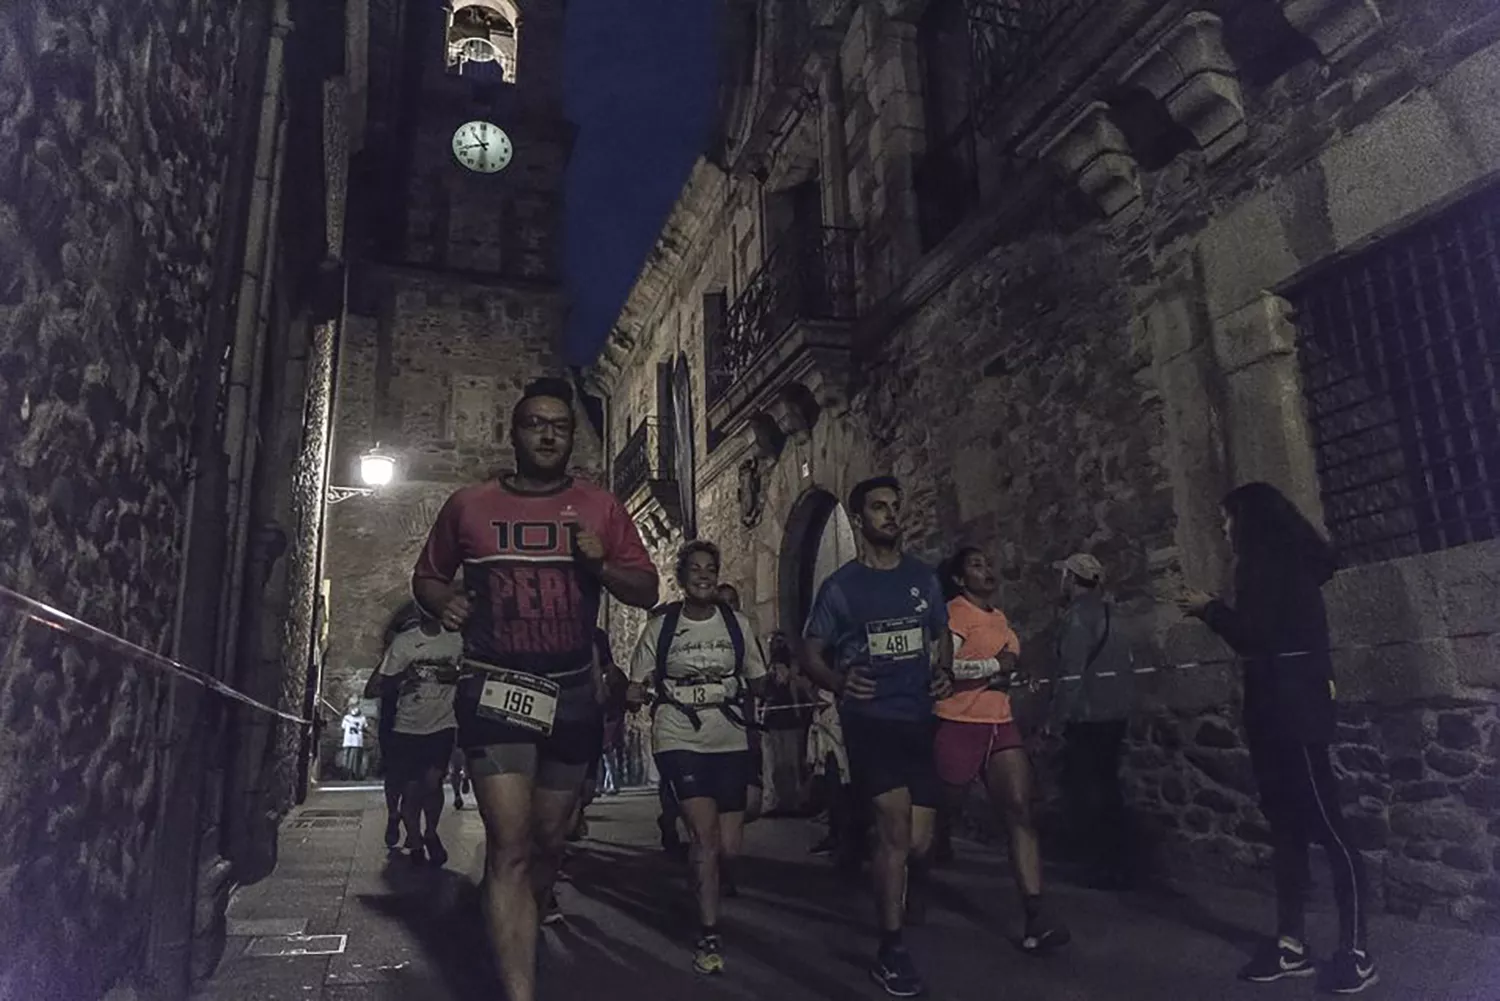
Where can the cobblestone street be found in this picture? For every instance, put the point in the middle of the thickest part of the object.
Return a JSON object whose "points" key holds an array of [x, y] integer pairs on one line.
{"points": [[796, 932]]}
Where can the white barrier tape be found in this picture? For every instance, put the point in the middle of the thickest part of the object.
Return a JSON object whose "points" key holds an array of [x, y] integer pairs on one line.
{"points": [[54, 618], [1039, 683]]}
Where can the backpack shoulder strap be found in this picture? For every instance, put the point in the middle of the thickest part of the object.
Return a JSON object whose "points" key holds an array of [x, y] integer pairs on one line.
{"points": [[736, 637], [670, 616]]}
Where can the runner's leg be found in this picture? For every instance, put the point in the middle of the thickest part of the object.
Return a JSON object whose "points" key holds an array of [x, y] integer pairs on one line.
{"points": [[705, 850], [505, 805], [1008, 780], [893, 842]]}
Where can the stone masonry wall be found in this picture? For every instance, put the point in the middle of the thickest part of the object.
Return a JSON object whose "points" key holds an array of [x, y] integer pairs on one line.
{"points": [[114, 124]]}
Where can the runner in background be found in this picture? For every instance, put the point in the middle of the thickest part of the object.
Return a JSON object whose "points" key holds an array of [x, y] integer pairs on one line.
{"points": [[878, 638], [700, 657], [406, 617], [1091, 704], [977, 736], [519, 564], [420, 668], [458, 777]]}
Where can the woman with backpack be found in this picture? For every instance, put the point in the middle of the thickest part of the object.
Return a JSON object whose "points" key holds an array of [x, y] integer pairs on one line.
{"points": [[700, 657], [1279, 628]]}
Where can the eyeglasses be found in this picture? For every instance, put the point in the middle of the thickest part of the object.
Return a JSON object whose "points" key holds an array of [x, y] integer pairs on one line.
{"points": [[562, 425]]}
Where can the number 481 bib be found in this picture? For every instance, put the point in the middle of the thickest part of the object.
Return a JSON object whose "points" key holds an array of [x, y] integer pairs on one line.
{"points": [[894, 640]]}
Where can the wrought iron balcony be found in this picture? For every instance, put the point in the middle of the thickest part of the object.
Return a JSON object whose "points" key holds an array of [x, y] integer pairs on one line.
{"points": [[806, 284], [1011, 41], [647, 465]]}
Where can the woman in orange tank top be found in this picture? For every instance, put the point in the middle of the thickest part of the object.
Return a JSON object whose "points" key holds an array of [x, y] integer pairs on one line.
{"points": [[977, 735]]}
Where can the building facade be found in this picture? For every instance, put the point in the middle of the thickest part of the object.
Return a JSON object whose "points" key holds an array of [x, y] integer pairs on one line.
{"points": [[1072, 270], [455, 293]]}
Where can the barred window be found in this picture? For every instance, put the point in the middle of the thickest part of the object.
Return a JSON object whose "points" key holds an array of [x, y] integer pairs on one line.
{"points": [[1399, 348]]}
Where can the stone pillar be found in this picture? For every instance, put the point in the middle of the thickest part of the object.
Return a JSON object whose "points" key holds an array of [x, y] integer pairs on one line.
{"points": [[832, 140], [1269, 437], [897, 136]]}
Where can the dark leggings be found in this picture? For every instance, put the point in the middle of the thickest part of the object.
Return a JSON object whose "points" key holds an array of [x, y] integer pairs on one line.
{"points": [[1300, 798], [1091, 777]]}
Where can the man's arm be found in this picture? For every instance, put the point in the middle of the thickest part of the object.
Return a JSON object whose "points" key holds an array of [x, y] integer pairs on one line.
{"points": [[632, 585], [432, 580], [815, 666], [618, 557]]}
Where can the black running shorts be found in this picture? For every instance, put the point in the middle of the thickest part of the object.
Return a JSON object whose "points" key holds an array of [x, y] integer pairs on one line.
{"points": [[886, 754], [723, 777]]}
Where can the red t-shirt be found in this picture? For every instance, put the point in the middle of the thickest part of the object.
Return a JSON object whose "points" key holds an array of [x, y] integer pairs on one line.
{"points": [[534, 607]]}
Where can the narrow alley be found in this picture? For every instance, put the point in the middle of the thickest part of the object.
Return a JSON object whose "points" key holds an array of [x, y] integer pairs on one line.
{"points": [[398, 931]]}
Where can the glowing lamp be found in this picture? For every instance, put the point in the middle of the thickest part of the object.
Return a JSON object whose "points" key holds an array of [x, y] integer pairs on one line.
{"points": [[376, 469]]}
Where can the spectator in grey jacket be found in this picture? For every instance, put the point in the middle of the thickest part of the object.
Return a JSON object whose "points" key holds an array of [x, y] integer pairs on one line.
{"points": [[1091, 706]]}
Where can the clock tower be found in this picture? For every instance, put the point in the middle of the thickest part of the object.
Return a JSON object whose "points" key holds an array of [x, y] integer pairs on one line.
{"points": [[455, 299]]}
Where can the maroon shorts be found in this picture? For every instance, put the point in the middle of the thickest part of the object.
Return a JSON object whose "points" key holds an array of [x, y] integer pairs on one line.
{"points": [[962, 749]]}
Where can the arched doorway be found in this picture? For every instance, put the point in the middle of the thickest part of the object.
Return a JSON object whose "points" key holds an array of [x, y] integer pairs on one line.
{"points": [[819, 540]]}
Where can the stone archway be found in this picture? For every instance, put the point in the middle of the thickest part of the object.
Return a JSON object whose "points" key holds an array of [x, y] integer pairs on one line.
{"points": [[819, 539]]}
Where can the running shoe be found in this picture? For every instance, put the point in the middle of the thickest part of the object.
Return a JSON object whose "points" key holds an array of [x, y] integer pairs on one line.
{"points": [[894, 971], [458, 802], [1348, 972], [416, 852], [551, 910], [435, 850], [707, 955], [392, 832], [1277, 961], [1043, 938]]}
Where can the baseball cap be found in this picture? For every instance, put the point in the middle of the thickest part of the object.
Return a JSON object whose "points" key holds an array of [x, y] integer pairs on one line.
{"points": [[1083, 566]]}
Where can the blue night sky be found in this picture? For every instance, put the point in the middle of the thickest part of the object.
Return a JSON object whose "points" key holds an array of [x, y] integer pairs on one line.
{"points": [[641, 79]]}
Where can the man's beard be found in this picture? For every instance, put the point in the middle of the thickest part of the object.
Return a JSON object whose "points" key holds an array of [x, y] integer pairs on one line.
{"points": [[529, 465]]}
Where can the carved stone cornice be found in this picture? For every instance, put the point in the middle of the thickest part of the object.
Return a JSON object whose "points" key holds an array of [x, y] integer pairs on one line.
{"points": [[1193, 76], [1337, 27], [1093, 151]]}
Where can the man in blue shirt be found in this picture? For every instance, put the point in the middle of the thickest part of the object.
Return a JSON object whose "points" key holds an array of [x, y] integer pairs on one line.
{"points": [[878, 638]]}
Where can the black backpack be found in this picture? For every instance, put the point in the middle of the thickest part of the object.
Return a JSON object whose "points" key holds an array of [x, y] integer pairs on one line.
{"points": [[670, 617]]}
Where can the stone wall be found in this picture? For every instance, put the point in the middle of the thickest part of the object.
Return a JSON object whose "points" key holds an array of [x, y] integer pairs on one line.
{"points": [[110, 189], [430, 368]]}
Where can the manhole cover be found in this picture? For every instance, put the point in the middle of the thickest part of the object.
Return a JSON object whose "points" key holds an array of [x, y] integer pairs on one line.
{"points": [[322, 824], [297, 945], [331, 813]]}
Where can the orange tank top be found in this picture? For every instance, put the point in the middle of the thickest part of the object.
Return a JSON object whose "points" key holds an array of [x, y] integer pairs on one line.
{"points": [[978, 635]]}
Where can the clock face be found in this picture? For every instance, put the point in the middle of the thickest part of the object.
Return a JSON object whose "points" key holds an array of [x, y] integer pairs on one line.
{"points": [[482, 147]]}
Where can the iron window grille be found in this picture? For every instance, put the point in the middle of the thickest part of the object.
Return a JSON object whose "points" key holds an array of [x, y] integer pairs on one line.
{"points": [[1399, 349], [1010, 41]]}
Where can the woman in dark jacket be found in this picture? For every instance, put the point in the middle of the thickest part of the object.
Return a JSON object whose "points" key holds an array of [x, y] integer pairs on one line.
{"points": [[1279, 628]]}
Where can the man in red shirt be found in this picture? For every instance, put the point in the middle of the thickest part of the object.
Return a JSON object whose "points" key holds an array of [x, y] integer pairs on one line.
{"points": [[532, 552]]}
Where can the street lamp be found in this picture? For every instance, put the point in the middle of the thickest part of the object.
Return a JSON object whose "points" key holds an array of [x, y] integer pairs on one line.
{"points": [[377, 470]]}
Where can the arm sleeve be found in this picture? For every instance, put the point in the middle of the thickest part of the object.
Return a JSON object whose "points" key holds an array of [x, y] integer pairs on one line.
{"points": [[965, 669], [443, 554], [825, 621], [755, 657], [643, 661], [622, 541]]}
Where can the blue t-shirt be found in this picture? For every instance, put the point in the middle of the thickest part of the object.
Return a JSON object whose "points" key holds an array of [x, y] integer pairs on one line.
{"points": [[886, 619]]}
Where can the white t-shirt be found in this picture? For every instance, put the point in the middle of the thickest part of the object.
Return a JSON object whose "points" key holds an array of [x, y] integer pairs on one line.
{"points": [[430, 665], [701, 652], [354, 730]]}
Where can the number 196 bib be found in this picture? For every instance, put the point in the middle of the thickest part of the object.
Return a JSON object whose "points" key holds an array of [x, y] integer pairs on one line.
{"points": [[523, 700]]}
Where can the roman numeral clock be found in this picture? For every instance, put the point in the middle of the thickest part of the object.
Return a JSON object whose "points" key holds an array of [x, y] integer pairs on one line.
{"points": [[482, 147]]}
